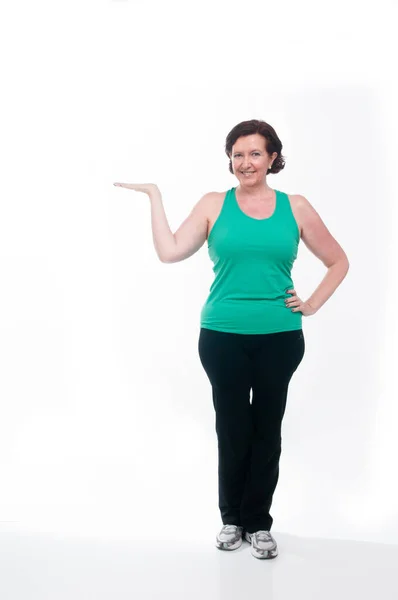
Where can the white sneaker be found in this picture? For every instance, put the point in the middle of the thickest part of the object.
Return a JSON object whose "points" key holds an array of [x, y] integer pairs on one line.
{"points": [[263, 545], [230, 537]]}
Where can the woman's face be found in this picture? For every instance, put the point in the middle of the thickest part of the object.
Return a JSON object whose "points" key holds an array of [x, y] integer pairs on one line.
{"points": [[250, 160]]}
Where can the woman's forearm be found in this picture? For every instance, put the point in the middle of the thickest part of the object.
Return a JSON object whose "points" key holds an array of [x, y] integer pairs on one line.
{"points": [[162, 235], [334, 276]]}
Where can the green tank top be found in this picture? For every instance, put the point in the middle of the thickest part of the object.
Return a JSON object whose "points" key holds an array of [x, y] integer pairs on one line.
{"points": [[253, 259]]}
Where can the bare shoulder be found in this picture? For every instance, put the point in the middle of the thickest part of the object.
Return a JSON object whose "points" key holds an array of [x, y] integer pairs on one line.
{"points": [[212, 202], [303, 210], [297, 200], [303, 207], [204, 205], [213, 197]]}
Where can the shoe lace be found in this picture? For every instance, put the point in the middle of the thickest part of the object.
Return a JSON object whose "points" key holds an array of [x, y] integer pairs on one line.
{"points": [[263, 536], [229, 527]]}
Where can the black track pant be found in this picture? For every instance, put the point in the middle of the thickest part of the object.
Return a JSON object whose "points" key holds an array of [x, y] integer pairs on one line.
{"points": [[249, 433]]}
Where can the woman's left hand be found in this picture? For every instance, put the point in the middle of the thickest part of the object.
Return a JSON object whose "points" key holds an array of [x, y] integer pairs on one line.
{"points": [[300, 306]]}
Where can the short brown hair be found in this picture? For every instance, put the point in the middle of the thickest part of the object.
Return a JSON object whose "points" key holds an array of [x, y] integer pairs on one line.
{"points": [[272, 142]]}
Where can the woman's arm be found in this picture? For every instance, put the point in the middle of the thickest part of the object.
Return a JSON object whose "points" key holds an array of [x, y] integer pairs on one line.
{"points": [[189, 237], [163, 238], [334, 276], [324, 246]]}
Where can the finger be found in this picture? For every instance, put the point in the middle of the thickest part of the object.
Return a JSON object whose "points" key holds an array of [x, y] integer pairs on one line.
{"points": [[292, 299], [129, 186], [297, 309], [137, 187], [296, 303]]}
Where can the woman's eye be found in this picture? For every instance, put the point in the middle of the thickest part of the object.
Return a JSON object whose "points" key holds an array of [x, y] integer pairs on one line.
{"points": [[258, 154]]}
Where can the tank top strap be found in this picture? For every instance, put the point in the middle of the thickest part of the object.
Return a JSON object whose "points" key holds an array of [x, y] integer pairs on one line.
{"points": [[284, 204], [286, 213]]}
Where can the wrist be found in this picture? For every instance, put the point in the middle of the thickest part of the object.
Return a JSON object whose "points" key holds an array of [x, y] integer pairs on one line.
{"points": [[154, 192], [312, 305]]}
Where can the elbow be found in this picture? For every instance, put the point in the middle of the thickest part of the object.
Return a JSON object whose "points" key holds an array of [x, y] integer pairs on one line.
{"points": [[168, 255], [342, 263], [166, 259]]}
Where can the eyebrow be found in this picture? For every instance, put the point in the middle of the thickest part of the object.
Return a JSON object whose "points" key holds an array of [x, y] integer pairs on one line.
{"points": [[254, 150]]}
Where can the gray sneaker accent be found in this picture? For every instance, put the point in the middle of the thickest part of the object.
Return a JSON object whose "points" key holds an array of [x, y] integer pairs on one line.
{"points": [[230, 537], [263, 545]]}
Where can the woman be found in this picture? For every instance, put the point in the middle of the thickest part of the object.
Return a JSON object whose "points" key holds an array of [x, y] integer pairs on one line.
{"points": [[251, 337]]}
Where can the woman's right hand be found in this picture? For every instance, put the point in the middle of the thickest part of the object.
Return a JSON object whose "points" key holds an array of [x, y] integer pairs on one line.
{"points": [[147, 188]]}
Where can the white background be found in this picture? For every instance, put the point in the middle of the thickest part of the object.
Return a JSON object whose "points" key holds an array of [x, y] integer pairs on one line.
{"points": [[107, 422]]}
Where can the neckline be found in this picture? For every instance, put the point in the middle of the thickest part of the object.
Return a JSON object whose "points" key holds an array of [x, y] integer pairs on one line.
{"points": [[254, 218]]}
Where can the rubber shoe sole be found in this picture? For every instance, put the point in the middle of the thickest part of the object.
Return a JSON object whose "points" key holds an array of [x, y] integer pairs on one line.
{"points": [[230, 537]]}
